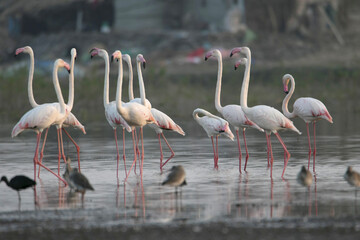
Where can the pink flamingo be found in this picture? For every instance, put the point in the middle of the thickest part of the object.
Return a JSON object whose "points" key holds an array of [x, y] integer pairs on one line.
{"points": [[43, 116], [307, 108], [164, 122], [213, 126], [268, 118], [135, 114], [112, 116], [71, 120], [232, 113]]}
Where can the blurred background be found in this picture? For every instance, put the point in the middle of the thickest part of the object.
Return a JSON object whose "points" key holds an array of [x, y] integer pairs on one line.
{"points": [[317, 41]]}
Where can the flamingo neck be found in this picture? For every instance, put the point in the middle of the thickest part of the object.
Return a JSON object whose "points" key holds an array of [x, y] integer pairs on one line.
{"points": [[218, 84], [70, 102], [106, 79], [131, 90], [245, 84], [141, 83], [119, 106], [58, 89], [287, 99], [32, 101]]}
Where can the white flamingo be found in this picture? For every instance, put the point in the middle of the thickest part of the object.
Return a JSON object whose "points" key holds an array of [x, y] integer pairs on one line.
{"points": [[112, 116], [232, 113], [213, 126], [268, 118], [71, 120], [164, 122], [307, 108], [43, 116], [135, 114]]}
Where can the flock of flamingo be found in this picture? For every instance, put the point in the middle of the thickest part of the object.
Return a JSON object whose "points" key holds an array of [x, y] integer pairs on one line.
{"points": [[138, 112]]}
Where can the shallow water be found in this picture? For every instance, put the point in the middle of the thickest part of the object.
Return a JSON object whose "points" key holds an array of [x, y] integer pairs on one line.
{"points": [[209, 195]]}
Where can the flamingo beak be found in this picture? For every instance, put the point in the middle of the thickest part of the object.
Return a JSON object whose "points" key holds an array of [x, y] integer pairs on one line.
{"points": [[112, 58], [234, 50]]}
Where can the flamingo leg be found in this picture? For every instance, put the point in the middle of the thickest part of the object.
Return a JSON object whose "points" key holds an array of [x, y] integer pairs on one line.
{"points": [[117, 154], [268, 150], [212, 141], [172, 152], [137, 148], [134, 162], [314, 152], [308, 135], [42, 149], [38, 137], [286, 151], [217, 153], [76, 146], [142, 152], [124, 157], [62, 145], [239, 147], [59, 147], [161, 152], [271, 154], [246, 149]]}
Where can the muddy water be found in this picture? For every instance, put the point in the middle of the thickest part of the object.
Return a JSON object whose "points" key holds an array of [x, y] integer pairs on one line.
{"points": [[223, 195]]}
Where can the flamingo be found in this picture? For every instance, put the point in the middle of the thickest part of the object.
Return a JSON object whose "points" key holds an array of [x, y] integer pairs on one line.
{"points": [[71, 120], [164, 122], [43, 116], [232, 113], [307, 108], [213, 126], [114, 119], [135, 114], [268, 118]]}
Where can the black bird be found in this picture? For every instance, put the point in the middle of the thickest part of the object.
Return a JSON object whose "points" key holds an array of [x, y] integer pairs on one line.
{"points": [[76, 180], [18, 183], [176, 177]]}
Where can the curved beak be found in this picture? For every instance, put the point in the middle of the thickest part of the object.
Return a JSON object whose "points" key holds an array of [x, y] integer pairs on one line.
{"points": [[19, 50], [112, 58], [94, 52], [234, 50]]}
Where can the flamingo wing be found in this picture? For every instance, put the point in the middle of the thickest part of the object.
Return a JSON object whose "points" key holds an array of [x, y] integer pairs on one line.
{"points": [[164, 122], [114, 118], [237, 118], [71, 120], [311, 109]]}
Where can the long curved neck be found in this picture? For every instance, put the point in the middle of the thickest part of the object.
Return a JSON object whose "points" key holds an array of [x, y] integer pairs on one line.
{"points": [[70, 102], [245, 84], [58, 89], [32, 101], [106, 79], [287, 99], [119, 106], [141, 83], [218, 84], [131, 91], [203, 112]]}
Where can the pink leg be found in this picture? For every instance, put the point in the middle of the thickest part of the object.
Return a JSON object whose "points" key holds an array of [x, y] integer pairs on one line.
{"points": [[76, 146], [308, 134], [137, 148], [142, 152], [117, 154], [217, 153], [172, 152], [239, 147], [42, 149], [59, 147], [286, 151], [271, 155], [314, 152], [246, 149], [268, 149], [134, 162], [62, 146], [124, 157], [212, 141], [161, 152], [38, 137]]}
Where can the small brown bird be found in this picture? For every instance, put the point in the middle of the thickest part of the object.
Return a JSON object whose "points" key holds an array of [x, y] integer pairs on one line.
{"points": [[176, 177], [352, 177], [304, 177], [76, 180]]}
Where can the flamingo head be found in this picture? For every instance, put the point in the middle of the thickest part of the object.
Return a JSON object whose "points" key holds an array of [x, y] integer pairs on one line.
{"points": [[241, 61], [94, 52], [227, 132], [211, 53], [243, 50], [126, 58], [73, 52], [61, 63], [140, 58], [286, 79], [116, 55], [26, 49]]}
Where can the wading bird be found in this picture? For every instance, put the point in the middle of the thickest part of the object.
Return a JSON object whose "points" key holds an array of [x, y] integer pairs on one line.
{"points": [[176, 177], [18, 183], [307, 108]]}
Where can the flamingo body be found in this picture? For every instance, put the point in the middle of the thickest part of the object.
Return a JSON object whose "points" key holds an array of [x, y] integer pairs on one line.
{"points": [[310, 109], [164, 122], [114, 118]]}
